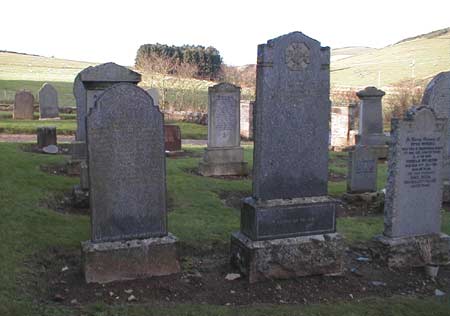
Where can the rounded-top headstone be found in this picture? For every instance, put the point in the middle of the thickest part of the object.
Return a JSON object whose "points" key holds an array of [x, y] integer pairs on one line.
{"points": [[126, 165], [48, 102], [23, 105]]}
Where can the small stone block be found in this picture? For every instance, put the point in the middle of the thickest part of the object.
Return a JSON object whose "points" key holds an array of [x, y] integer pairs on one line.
{"points": [[406, 252], [127, 260], [287, 258], [288, 218]]}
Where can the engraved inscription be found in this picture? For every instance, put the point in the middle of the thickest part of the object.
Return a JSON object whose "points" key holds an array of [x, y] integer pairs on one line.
{"points": [[225, 119], [422, 156], [297, 56], [365, 166]]}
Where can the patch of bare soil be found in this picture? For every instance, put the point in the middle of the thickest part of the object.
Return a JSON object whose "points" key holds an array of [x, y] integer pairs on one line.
{"points": [[233, 199], [60, 169], [195, 172], [203, 278], [336, 177], [64, 203]]}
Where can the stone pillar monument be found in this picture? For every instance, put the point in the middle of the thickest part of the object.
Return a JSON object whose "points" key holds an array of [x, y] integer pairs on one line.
{"points": [[224, 155]]}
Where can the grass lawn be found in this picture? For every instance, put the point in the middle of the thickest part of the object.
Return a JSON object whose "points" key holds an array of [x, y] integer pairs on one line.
{"points": [[198, 219], [68, 125]]}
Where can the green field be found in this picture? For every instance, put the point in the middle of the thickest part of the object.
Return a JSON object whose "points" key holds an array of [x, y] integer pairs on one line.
{"points": [[420, 59], [198, 218]]}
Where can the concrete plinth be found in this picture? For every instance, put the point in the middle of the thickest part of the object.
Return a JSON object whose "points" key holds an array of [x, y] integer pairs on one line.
{"points": [[223, 161], [288, 257], [405, 252], [127, 260]]}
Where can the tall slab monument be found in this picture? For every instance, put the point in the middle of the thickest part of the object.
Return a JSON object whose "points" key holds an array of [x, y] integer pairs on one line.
{"points": [[437, 96], [412, 213], [89, 84], [23, 105], [129, 237], [371, 121], [223, 155], [288, 224]]}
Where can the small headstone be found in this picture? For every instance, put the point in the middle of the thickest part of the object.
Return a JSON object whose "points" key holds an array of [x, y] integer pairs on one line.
{"points": [[247, 119], [362, 170], [46, 135], [414, 185], [127, 179], [223, 156], [48, 102], [50, 149], [172, 137], [154, 93], [23, 105]]}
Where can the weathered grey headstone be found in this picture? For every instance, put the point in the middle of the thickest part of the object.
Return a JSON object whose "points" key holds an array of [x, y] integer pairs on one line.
{"points": [[371, 120], [48, 102], [412, 213], [290, 170], [127, 188], [46, 135], [362, 170], [23, 105], [223, 156], [154, 93], [88, 85], [414, 185], [437, 96]]}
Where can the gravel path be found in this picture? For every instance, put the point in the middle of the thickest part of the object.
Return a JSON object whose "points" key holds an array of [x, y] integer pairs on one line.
{"points": [[27, 138]]}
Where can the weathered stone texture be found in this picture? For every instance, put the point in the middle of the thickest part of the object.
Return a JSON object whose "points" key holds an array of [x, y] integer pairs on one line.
{"points": [[362, 170], [23, 105], [46, 135], [48, 102]]}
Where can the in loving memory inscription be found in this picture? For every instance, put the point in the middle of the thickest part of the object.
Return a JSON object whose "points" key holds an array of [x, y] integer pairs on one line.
{"points": [[225, 117], [421, 159]]}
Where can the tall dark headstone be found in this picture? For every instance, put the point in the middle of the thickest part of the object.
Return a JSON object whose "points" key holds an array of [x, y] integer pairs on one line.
{"points": [[127, 189], [223, 155], [412, 213], [290, 170]]}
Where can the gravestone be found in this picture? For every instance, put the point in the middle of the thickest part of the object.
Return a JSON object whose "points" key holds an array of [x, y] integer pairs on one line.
{"points": [[172, 138], [371, 121], [89, 84], [223, 155], [127, 177], [412, 213], [48, 102], [362, 170], [154, 93], [288, 224], [342, 121], [247, 119], [437, 96], [46, 135], [23, 105]]}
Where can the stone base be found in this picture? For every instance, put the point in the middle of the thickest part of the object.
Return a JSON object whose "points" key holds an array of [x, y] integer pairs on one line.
{"points": [[223, 169], [380, 151], [223, 161], [404, 252], [367, 202], [273, 219], [288, 257], [446, 192], [128, 260], [80, 197]]}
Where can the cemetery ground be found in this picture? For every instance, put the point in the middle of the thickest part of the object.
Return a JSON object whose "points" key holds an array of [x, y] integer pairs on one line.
{"points": [[40, 269]]}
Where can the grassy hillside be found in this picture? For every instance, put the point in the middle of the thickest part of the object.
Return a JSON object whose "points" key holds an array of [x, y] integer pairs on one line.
{"points": [[30, 72], [420, 57]]}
